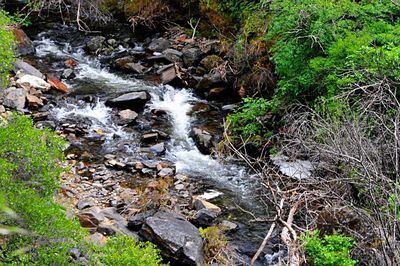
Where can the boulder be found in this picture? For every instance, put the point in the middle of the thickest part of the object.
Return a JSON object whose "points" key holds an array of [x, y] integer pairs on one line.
{"points": [[158, 45], [85, 203], [178, 239], [25, 45], [90, 217], [198, 203], [34, 101], [204, 218], [95, 43], [168, 75], [204, 140], [136, 221], [127, 116], [26, 68], [158, 149], [127, 63], [133, 100], [228, 226], [209, 82], [211, 61], [28, 82], [191, 56], [57, 84], [68, 74], [15, 98], [173, 55], [166, 172]]}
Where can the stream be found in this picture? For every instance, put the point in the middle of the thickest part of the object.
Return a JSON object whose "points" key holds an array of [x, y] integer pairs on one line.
{"points": [[225, 182]]}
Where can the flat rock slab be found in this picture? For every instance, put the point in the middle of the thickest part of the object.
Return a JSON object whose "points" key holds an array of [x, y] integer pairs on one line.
{"points": [[178, 239], [27, 69], [133, 100]]}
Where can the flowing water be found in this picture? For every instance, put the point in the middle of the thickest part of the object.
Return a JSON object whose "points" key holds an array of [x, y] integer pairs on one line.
{"points": [[227, 183]]}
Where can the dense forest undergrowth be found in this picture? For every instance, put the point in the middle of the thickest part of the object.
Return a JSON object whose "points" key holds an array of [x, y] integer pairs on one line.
{"points": [[318, 81]]}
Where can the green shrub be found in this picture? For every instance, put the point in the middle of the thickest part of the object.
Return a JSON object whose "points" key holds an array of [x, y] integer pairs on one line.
{"points": [[214, 245], [6, 47], [328, 250]]}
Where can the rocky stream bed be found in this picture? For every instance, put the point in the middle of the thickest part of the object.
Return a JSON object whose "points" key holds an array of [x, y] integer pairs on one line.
{"points": [[139, 143]]}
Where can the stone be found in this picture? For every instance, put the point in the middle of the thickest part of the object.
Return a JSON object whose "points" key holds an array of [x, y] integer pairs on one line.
{"points": [[2, 109], [136, 221], [159, 45], [179, 186], [25, 45], [128, 116], [191, 56], [229, 226], [74, 253], [122, 62], [172, 55], [168, 75], [204, 217], [211, 61], [199, 204], [135, 68], [98, 239], [209, 82], [34, 101], [95, 43], [28, 82], [68, 74], [203, 140], [15, 98], [133, 100], [165, 172], [112, 214], [158, 149], [57, 84], [150, 137], [178, 239], [20, 65], [85, 203], [90, 217]]}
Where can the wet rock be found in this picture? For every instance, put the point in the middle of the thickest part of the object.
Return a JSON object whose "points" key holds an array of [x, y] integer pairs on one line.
{"points": [[203, 139], [85, 203], [204, 217], [122, 62], [57, 84], [28, 81], [20, 65], [229, 226], [95, 43], [40, 116], [132, 100], [191, 56], [158, 149], [172, 55], [199, 204], [168, 75], [34, 101], [210, 62], [158, 45], [178, 239], [15, 98], [136, 221], [135, 68], [68, 74], [90, 217], [25, 45], [150, 137], [127, 116]]}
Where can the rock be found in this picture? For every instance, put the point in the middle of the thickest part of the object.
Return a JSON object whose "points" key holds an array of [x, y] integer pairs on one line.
{"points": [[209, 82], [204, 217], [203, 140], [74, 253], [2, 109], [136, 221], [68, 74], [133, 100], [128, 116], [135, 68], [122, 62], [199, 204], [229, 226], [158, 149], [211, 61], [191, 56], [172, 55], [178, 239], [15, 98], [25, 45], [168, 75], [158, 45], [57, 84], [180, 187], [229, 107], [112, 214], [165, 172], [150, 137], [98, 239], [85, 203], [90, 217], [34, 101], [95, 43], [27, 69], [28, 81], [46, 124]]}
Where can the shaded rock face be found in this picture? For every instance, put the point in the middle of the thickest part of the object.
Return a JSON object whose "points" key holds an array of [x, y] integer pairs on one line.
{"points": [[27, 69], [204, 140], [159, 45], [132, 100], [15, 98], [178, 239], [25, 45]]}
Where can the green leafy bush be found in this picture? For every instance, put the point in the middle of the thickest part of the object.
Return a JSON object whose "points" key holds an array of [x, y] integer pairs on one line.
{"points": [[214, 245], [328, 250], [6, 47]]}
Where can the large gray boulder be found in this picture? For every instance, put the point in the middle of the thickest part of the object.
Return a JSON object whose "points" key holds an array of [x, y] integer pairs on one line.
{"points": [[15, 98], [27, 69], [133, 100], [178, 239]]}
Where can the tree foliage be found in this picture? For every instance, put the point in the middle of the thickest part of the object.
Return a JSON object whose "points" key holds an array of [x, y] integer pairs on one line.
{"points": [[6, 47]]}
